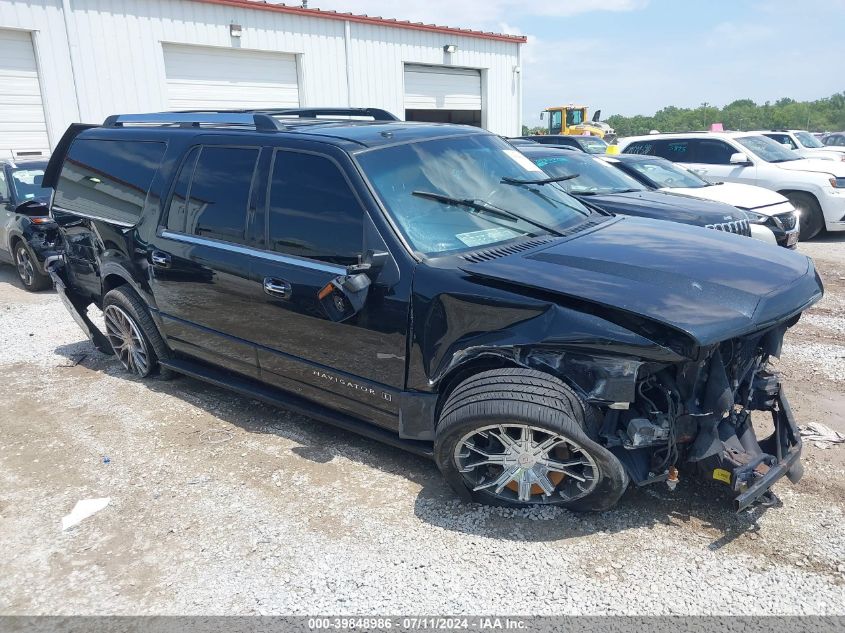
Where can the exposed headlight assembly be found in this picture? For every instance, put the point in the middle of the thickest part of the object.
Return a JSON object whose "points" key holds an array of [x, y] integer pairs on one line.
{"points": [[756, 218]]}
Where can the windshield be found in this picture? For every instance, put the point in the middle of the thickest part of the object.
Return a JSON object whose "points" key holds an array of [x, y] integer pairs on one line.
{"points": [[594, 175], [469, 168], [808, 140], [664, 173], [593, 145], [767, 149], [26, 183]]}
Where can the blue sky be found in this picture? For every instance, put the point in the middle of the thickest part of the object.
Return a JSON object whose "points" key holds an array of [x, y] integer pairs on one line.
{"points": [[636, 56]]}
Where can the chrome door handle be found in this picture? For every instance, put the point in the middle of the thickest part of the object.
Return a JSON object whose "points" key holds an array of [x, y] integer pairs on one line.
{"points": [[162, 260], [277, 287]]}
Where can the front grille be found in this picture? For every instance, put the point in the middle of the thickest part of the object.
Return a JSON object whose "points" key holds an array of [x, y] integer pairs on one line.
{"points": [[787, 220], [737, 227]]}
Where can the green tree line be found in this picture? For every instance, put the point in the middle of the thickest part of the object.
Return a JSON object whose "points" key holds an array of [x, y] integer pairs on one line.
{"points": [[821, 115]]}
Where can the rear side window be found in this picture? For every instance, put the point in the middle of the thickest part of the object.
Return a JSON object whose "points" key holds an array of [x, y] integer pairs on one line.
{"points": [[108, 180], [676, 151], [177, 211], [313, 211], [640, 147], [219, 192]]}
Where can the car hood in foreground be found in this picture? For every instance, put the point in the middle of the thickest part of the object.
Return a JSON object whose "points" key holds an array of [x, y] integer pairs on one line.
{"points": [[741, 196], [711, 285], [662, 205]]}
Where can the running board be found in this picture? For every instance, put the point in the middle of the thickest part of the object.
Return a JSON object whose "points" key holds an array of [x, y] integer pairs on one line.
{"points": [[276, 397]]}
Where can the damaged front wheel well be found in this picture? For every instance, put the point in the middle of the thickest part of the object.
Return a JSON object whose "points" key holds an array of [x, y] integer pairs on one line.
{"points": [[461, 373], [111, 282]]}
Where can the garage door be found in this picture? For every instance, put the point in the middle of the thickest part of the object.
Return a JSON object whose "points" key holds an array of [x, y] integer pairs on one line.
{"points": [[437, 93], [203, 78], [22, 124]]}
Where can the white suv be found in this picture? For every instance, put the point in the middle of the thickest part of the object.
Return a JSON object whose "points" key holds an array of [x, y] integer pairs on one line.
{"points": [[804, 144], [815, 187]]}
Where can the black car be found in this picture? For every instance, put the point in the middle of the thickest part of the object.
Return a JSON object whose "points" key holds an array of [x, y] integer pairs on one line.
{"points": [[658, 173], [588, 144], [834, 139], [27, 234], [428, 286], [600, 184]]}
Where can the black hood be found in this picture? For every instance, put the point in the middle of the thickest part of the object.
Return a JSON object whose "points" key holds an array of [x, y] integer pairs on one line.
{"points": [[711, 285], [662, 205]]}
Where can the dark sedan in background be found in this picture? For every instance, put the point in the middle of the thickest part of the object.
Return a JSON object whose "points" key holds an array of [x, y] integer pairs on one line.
{"points": [[27, 234], [768, 211], [598, 183], [589, 144]]}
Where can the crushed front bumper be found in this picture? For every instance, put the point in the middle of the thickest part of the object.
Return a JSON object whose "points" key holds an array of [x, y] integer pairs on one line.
{"points": [[781, 457], [76, 305]]}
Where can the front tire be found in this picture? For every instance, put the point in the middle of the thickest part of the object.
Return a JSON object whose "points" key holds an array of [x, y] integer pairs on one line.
{"points": [[520, 438], [29, 273], [132, 333], [812, 218]]}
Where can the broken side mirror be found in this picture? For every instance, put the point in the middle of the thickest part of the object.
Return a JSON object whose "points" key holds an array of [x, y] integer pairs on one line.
{"points": [[345, 295], [32, 209]]}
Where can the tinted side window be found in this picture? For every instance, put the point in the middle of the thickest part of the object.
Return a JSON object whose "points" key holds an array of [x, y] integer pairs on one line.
{"points": [[713, 152], [783, 139], [676, 151], [641, 147], [177, 211], [313, 212], [108, 179], [219, 193]]}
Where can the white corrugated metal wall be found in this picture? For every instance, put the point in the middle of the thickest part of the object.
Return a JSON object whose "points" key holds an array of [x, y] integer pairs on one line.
{"points": [[117, 50]]}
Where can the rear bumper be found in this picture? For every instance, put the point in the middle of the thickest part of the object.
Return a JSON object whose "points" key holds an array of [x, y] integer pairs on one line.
{"points": [[76, 305]]}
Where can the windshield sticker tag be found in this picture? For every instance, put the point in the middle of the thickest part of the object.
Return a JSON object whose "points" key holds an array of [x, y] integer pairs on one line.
{"points": [[521, 159], [487, 236]]}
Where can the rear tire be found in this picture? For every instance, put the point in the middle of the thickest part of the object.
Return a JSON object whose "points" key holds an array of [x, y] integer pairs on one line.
{"points": [[812, 219], [133, 334], [491, 436], [29, 273]]}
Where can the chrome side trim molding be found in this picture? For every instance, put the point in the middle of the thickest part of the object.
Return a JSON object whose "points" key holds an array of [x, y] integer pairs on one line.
{"points": [[254, 252]]}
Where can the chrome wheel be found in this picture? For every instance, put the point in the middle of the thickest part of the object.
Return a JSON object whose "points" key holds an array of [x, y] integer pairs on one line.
{"points": [[126, 340], [26, 269], [527, 464]]}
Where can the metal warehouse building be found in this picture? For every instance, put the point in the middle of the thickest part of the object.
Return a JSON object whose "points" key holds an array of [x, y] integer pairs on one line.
{"points": [[63, 61]]}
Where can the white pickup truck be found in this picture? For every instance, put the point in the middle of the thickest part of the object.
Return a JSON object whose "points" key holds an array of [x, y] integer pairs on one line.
{"points": [[815, 187]]}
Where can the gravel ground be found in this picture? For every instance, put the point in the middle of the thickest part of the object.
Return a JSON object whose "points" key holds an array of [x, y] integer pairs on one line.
{"points": [[222, 505]]}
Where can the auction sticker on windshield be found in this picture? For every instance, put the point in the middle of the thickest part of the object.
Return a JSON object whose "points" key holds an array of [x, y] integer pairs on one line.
{"points": [[487, 236], [521, 159]]}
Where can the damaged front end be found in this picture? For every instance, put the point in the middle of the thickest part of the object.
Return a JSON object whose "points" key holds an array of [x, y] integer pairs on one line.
{"points": [[699, 414], [76, 304]]}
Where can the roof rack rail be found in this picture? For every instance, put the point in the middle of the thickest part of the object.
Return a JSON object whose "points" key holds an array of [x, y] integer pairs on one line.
{"points": [[307, 113], [260, 121], [312, 113]]}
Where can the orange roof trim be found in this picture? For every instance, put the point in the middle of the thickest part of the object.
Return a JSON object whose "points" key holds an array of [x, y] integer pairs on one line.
{"points": [[366, 19]]}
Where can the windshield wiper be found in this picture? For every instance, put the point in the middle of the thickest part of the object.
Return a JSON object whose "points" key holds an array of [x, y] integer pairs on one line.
{"points": [[542, 181], [485, 207]]}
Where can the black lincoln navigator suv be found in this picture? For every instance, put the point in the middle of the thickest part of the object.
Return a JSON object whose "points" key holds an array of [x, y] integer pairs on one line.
{"points": [[429, 286]]}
